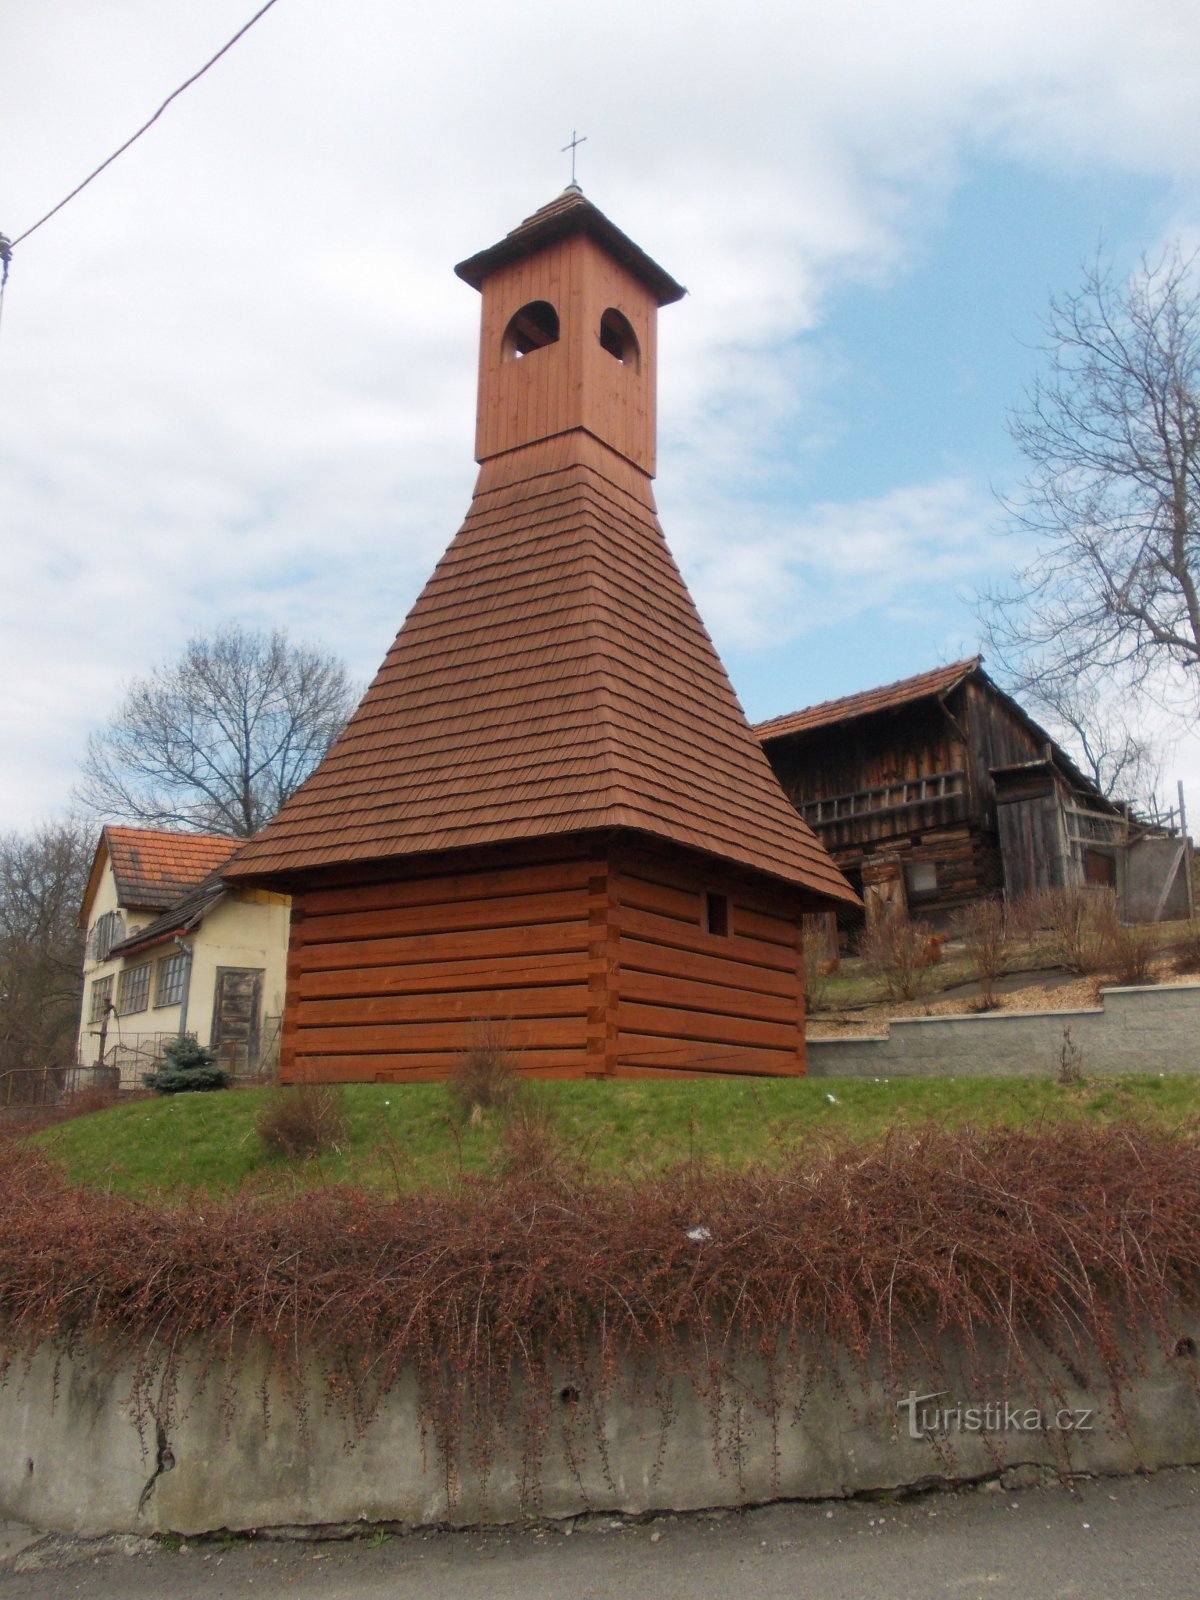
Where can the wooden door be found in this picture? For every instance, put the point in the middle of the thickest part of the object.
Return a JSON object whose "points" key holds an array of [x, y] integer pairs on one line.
{"points": [[235, 1018]]}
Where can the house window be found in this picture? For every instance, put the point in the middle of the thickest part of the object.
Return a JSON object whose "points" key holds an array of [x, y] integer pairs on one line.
{"points": [[106, 932], [101, 999], [716, 914], [922, 879], [133, 989], [169, 979], [529, 329]]}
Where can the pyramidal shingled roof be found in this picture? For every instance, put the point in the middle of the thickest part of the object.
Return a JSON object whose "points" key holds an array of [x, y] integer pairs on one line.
{"points": [[571, 212], [554, 677]]}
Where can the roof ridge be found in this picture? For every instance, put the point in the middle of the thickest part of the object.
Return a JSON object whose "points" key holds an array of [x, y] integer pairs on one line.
{"points": [[918, 686]]}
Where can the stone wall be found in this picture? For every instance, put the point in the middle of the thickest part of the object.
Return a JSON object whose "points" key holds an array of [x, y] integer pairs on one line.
{"points": [[80, 1457], [1132, 1031]]}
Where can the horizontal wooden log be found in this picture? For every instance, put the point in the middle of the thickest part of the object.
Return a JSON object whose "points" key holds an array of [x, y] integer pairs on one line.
{"points": [[455, 1035], [641, 955], [737, 947], [551, 939], [436, 977], [445, 887], [751, 924], [688, 995], [476, 915], [638, 1052], [420, 1067], [681, 905], [498, 1005], [675, 1022]]}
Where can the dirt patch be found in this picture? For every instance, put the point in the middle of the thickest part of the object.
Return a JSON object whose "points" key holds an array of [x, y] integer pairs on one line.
{"points": [[1020, 991]]}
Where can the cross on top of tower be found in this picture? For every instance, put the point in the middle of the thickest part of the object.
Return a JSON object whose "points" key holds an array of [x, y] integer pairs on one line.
{"points": [[572, 147]]}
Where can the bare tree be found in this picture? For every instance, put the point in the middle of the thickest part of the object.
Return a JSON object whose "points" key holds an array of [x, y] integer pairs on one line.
{"points": [[221, 738], [1099, 725], [42, 878], [1112, 438]]}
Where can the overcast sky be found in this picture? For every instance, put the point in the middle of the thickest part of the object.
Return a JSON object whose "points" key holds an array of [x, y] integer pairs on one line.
{"points": [[237, 374]]}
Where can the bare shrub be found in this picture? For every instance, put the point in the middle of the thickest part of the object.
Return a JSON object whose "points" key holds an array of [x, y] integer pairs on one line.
{"points": [[984, 931], [1068, 925], [1070, 1061], [485, 1076], [1187, 948], [1127, 950], [819, 934], [530, 1140], [899, 952], [303, 1119], [1088, 1236]]}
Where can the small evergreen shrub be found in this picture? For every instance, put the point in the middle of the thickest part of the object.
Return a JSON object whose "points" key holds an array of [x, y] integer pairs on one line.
{"points": [[186, 1067]]}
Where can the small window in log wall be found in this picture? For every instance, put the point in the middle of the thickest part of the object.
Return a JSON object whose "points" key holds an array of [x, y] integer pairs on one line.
{"points": [[922, 879], [618, 338], [530, 328], [716, 914]]}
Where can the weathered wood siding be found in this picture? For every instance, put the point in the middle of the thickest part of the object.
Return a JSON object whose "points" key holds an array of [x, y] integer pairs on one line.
{"points": [[904, 745], [386, 979], [995, 739], [694, 1001]]}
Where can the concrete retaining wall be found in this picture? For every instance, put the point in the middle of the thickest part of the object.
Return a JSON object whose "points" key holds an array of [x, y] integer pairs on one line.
{"points": [[1133, 1030], [77, 1459]]}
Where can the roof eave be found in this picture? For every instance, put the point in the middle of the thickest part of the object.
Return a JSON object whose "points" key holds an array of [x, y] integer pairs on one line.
{"points": [[581, 218]]}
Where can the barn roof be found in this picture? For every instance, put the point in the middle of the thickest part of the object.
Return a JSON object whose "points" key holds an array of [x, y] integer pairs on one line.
{"points": [[153, 867], [553, 678], [569, 213], [926, 686], [890, 696]]}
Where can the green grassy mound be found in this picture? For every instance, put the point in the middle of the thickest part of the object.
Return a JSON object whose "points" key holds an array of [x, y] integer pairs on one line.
{"points": [[405, 1137]]}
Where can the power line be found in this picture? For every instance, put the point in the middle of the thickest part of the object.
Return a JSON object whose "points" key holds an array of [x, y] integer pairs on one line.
{"points": [[11, 245]]}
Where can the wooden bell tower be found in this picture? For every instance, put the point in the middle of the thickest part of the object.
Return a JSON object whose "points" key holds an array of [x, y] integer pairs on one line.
{"points": [[569, 330], [549, 810]]}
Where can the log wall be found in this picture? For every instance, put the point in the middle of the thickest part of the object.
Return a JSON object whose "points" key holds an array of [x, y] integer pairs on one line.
{"points": [[695, 1001], [385, 980], [600, 964]]}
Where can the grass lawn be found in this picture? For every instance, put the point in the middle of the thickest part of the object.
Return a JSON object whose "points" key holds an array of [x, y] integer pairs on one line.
{"points": [[404, 1136]]}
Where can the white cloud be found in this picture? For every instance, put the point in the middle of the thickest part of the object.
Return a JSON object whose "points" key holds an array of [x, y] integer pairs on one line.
{"points": [[236, 374]]}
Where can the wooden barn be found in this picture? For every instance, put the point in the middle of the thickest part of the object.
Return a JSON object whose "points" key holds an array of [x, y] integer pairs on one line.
{"points": [[940, 789], [549, 810]]}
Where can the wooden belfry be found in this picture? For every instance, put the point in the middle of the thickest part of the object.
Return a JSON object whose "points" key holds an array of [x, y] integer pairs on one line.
{"points": [[549, 810]]}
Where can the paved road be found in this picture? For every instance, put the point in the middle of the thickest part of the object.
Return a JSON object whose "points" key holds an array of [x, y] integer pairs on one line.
{"points": [[1108, 1540]]}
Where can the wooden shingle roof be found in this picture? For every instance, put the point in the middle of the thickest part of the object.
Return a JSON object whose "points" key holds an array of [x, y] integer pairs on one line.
{"points": [[553, 678], [890, 696], [568, 213]]}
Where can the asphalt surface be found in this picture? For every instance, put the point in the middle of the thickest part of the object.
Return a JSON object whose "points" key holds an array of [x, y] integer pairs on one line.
{"points": [[1104, 1539]]}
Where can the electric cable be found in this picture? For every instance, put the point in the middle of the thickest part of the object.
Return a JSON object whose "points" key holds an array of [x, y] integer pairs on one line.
{"points": [[8, 246]]}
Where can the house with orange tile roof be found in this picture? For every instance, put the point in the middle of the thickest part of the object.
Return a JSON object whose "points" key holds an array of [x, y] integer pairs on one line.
{"points": [[940, 789], [549, 811], [171, 949]]}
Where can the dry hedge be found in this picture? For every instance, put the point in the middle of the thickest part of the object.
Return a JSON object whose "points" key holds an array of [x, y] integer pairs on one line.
{"points": [[1090, 1238]]}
